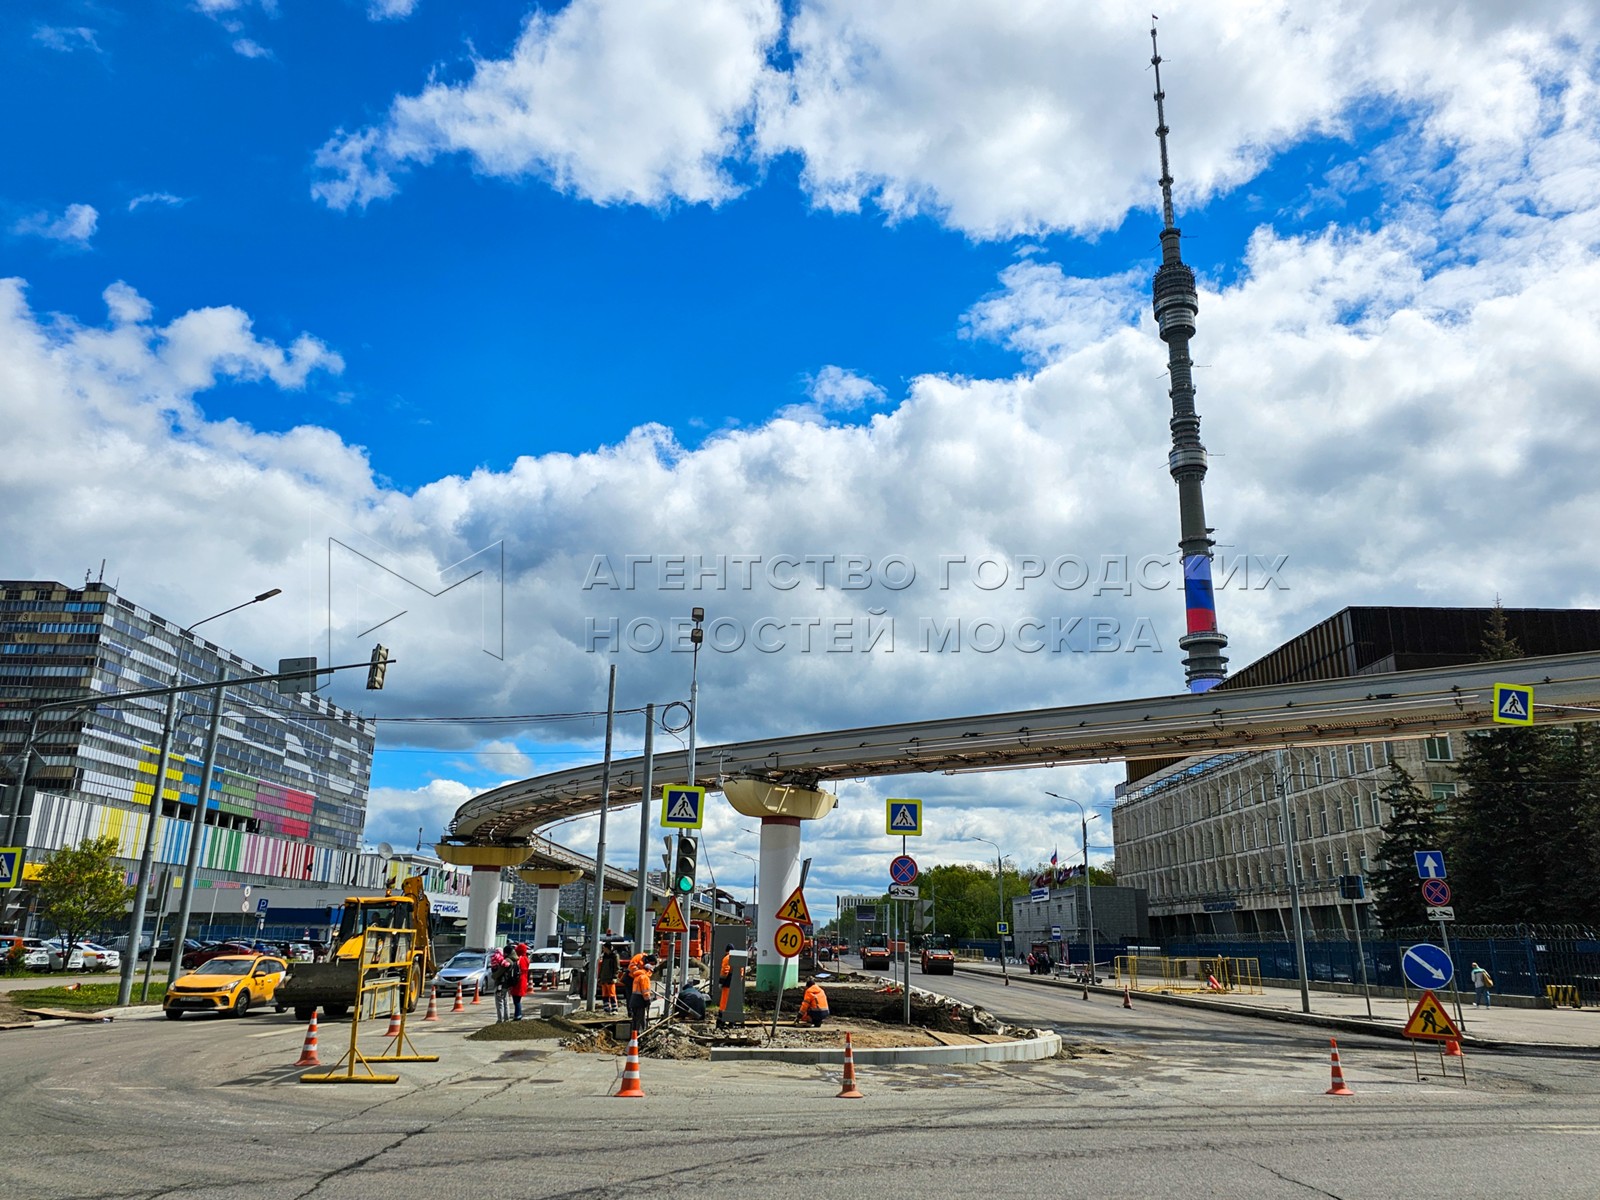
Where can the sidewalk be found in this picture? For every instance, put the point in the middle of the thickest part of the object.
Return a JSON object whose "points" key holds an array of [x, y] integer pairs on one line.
{"points": [[1487, 1028]]}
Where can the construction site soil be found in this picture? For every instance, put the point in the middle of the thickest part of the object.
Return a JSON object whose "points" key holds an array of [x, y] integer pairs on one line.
{"points": [[864, 1007]]}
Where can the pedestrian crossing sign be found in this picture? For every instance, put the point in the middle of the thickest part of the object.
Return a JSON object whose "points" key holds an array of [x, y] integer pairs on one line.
{"points": [[1429, 1020], [683, 807], [795, 909], [903, 817], [672, 920], [10, 866], [1513, 704]]}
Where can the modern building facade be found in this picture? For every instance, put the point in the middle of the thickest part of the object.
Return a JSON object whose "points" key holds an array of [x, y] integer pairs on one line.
{"points": [[1209, 838], [287, 800], [1121, 915]]}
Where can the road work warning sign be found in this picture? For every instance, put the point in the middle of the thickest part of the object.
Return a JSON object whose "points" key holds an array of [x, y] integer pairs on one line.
{"points": [[1429, 1020], [795, 909]]}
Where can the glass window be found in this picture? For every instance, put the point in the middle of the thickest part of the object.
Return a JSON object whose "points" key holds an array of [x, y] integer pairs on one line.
{"points": [[1437, 749]]}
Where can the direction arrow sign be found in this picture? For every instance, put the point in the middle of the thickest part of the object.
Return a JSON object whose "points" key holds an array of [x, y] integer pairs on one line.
{"points": [[1426, 966], [1430, 864], [1435, 893], [10, 866], [788, 940], [903, 869], [904, 891], [903, 817]]}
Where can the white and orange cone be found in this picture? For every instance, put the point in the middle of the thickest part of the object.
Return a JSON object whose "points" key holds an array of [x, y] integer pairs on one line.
{"points": [[1452, 1048], [630, 1071], [394, 1025], [849, 1091], [477, 991], [308, 1052], [1127, 996], [458, 1006], [433, 1005], [1340, 1087]]}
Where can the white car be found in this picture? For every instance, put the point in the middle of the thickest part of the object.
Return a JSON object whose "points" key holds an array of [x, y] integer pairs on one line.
{"points": [[300, 952], [546, 967], [85, 956]]}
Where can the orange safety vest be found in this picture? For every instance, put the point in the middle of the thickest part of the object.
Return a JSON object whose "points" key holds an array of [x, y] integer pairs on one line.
{"points": [[643, 981], [815, 1000]]}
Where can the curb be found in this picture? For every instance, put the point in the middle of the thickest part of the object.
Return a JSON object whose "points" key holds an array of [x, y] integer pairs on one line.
{"points": [[1320, 1020], [1046, 1045]]}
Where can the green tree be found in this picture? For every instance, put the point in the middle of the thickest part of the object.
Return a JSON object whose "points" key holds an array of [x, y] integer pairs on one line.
{"points": [[1414, 826], [81, 887]]}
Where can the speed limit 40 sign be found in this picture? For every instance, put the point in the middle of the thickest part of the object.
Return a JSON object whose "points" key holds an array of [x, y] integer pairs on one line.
{"points": [[788, 940]]}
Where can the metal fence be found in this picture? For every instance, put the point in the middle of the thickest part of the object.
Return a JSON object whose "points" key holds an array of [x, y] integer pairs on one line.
{"points": [[1524, 960]]}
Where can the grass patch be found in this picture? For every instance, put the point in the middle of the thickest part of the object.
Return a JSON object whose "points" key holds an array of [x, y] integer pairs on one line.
{"points": [[89, 997]]}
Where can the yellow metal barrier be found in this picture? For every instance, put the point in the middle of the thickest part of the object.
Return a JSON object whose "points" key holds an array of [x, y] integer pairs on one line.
{"points": [[1160, 973], [1562, 993], [380, 991]]}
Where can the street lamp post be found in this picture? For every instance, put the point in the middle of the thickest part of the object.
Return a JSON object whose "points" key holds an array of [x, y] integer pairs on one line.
{"points": [[1292, 861], [1088, 887], [696, 636], [1000, 882], [141, 897]]}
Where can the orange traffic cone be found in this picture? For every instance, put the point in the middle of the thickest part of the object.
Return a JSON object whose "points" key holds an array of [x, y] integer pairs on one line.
{"points": [[630, 1069], [459, 1007], [308, 1052], [433, 1005], [1340, 1087], [1452, 1048], [477, 991], [394, 1025], [849, 1091], [1127, 996]]}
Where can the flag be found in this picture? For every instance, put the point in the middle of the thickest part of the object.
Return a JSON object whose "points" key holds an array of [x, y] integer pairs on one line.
{"points": [[1054, 857]]}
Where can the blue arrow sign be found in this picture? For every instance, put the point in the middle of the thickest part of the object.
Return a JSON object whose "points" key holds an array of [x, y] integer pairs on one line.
{"points": [[1427, 967], [1430, 864]]}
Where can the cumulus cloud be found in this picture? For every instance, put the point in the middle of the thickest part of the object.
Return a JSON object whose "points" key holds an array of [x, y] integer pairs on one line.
{"points": [[616, 101], [75, 226], [390, 10], [250, 48]]}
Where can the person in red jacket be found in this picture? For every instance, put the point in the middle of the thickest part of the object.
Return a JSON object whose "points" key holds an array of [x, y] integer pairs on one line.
{"points": [[519, 981]]}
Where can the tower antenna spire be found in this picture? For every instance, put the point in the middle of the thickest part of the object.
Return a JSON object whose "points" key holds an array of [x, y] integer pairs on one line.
{"points": [[1176, 303]]}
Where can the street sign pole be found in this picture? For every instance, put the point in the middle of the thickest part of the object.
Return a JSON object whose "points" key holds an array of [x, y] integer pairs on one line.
{"points": [[1455, 995], [905, 937], [1366, 986]]}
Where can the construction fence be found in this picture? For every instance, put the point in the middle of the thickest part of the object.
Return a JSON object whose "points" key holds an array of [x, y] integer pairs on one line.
{"points": [[1187, 973]]}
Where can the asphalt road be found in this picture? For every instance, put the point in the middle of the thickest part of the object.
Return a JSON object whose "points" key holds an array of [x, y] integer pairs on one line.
{"points": [[1157, 1102]]}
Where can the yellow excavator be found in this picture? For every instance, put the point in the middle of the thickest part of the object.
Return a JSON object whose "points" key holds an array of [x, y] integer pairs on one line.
{"points": [[332, 985]]}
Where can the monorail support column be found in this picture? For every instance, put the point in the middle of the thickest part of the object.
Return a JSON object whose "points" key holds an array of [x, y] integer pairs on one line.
{"points": [[483, 894], [780, 809], [549, 881]]}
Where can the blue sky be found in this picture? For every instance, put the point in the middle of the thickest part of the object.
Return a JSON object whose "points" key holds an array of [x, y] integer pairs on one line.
{"points": [[730, 278]]}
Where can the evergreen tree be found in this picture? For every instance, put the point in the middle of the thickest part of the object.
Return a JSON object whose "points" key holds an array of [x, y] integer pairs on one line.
{"points": [[1414, 826]]}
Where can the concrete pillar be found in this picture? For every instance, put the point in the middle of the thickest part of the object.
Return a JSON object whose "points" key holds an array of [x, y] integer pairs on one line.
{"points": [[616, 911], [483, 907], [545, 914], [780, 875]]}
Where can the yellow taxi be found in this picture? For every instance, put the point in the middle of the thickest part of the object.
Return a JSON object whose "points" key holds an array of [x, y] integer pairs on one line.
{"points": [[228, 984]]}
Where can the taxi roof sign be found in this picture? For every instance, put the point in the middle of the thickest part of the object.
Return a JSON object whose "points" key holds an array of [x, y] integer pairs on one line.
{"points": [[795, 909], [672, 920], [1513, 704], [1429, 1020], [903, 818], [683, 807]]}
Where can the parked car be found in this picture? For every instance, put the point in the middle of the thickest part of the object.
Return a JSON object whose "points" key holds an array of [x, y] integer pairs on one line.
{"points": [[120, 944], [205, 954], [547, 968], [227, 984], [83, 956], [164, 948], [301, 952], [465, 971]]}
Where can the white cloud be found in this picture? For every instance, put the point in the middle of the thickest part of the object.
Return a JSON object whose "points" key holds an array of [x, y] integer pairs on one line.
{"points": [[250, 48], [390, 10], [617, 101], [66, 39], [163, 198], [75, 226]]}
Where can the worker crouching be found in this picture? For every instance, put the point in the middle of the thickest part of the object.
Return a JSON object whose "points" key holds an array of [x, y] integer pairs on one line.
{"points": [[813, 1005]]}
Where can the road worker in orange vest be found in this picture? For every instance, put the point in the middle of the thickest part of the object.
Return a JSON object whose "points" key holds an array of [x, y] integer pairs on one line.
{"points": [[639, 996], [725, 978], [813, 1005]]}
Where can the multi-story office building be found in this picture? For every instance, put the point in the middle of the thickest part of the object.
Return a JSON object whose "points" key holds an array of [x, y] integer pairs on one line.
{"points": [[288, 797], [1205, 836]]}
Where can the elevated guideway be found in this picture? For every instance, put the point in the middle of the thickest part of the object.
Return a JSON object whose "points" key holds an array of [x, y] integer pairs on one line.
{"points": [[1410, 704]]}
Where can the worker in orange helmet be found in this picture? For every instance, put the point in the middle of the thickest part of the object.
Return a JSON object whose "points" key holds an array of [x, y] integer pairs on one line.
{"points": [[813, 1005]]}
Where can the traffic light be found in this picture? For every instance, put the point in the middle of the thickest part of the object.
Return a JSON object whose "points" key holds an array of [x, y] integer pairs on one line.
{"points": [[375, 672], [683, 877]]}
